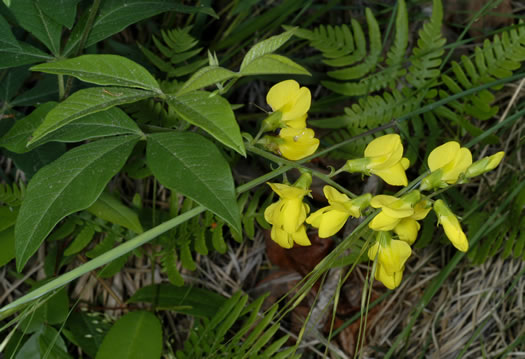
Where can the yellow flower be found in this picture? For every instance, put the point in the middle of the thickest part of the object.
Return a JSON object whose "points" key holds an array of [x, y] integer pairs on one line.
{"points": [[447, 163], [391, 257], [408, 228], [384, 158], [292, 101], [390, 280], [297, 143], [393, 210], [331, 219], [391, 253], [484, 165], [287, 215], [451, 225]]}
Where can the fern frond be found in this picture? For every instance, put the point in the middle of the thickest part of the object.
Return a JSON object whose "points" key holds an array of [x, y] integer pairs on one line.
{"points": [[252, 334], [12, 195], [426, 57], [370, 62], [178, 51], [336, 42], [168, 261], [373, 111], [496, 59]]}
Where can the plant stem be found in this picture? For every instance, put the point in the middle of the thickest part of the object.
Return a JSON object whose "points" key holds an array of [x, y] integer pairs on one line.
{"points": [[87, 28], [60, 87]]}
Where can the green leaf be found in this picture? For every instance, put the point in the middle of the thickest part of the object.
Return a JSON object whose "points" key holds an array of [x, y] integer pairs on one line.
{"points": [[273, 64], [212, 113], [61, 11], [31, 17], [8, 216], [53, 311], [206, 76], [30, 349], [136, 335], [115, 15], [16, 138], [14, 53], [45, 90], [11, 83], [86, 102], [82, 239], [114, 267], [52, 345], [31, 162], [7, 246], [198, 302], [189, 164], [105, 70], [107, 123], [70, 184], [88, 329], [266, 47], [112, 210]]}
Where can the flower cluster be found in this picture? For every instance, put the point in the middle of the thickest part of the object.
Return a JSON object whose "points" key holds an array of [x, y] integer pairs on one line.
{"points": [[290, 104], [397, 219]]}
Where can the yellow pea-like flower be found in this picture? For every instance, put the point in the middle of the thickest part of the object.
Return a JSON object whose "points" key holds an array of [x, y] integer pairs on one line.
{"points": [[292, 101], [391, 258], [384, 158], [391, 253], [393, 210], [297, 143], [287, 215], [331, 219], [447, 163], [390, 280], [408, 228], [451, 226]]}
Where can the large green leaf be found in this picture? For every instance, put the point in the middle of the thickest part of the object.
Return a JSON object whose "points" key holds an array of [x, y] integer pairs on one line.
{"points": [[266, 47], [111, 209], [206, 76], [212, 113], [52, 344], [15, 140], [86, 102], [54, 310], [8, 215], [45, 90], [11, 83], [115, 15], [188, 163], [14, 53], [107, 123], [273, 64], [61, 11], [31, 17], [198, 302], [106, 70], [70, 184], [7, 245], [136, 335], [88, 329]]}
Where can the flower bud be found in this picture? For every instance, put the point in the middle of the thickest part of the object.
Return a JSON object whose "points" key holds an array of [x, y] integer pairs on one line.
{"points": [[484, 165]]}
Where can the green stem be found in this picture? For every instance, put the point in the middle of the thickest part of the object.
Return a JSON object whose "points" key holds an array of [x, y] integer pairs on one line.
{"points": [[61, 91], [125, 248], [87, 28], [107, 257], [298, 165]]}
